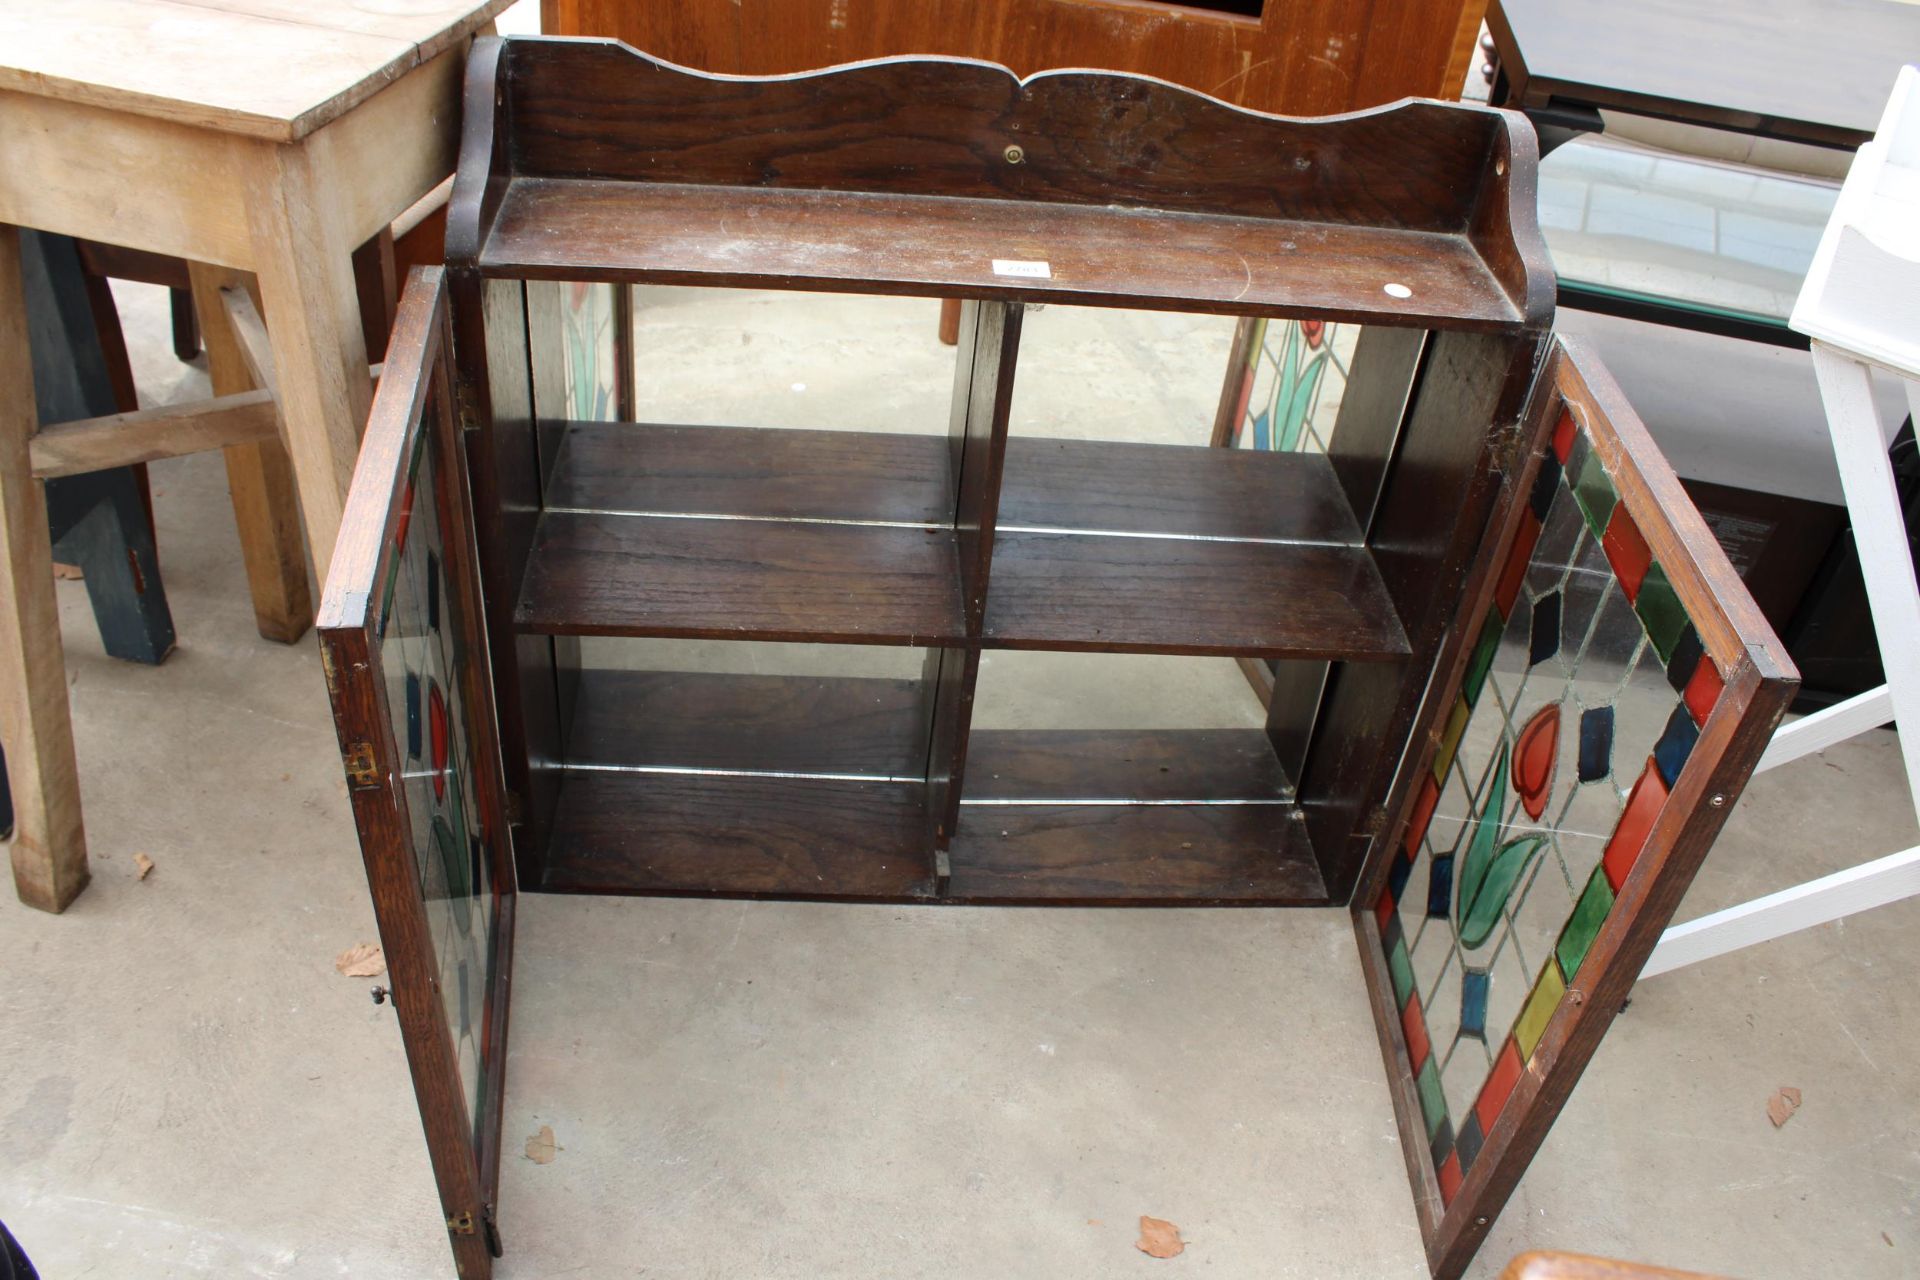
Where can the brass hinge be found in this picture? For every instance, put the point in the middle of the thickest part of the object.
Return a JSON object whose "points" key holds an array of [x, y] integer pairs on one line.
{"points": [[461, 1224], [361, 770]]}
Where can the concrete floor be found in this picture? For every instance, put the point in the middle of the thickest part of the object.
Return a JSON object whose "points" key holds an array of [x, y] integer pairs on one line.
{"points": [[787, 1089]]}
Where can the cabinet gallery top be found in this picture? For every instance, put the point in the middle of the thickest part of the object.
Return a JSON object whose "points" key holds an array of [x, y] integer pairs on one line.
{"points": [[585, 159]]}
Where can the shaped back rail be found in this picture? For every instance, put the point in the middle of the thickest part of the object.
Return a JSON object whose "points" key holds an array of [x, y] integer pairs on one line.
{"points": [[917, 175]]}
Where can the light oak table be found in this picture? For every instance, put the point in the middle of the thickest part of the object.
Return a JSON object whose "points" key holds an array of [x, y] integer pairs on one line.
{"points": [[268, 138]]}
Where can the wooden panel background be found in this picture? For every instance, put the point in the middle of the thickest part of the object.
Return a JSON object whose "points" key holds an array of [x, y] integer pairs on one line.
{"points": [[1299, 57]]}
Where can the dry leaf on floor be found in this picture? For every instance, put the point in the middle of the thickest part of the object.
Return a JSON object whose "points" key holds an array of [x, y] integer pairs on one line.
{"points": [[363, 960], [541, 1147], [142, 866], [1158, 1239], [1782, 1105]]}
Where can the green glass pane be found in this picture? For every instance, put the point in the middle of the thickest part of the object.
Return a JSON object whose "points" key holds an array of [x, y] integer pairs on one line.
{"points": [[1433, 1103], [1593, 490], [1661, 612], [1482, 660], [1584, 924], [1402, 970]]}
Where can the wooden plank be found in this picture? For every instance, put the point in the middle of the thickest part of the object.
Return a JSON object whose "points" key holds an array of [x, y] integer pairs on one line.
{"points": [[780, 724], [259, 475], [707, 835], [1134, 855], [744, 580], [1188, 490], [1160, 765], [49, 850], [855, 242], [753, 471], [1176, 595]]}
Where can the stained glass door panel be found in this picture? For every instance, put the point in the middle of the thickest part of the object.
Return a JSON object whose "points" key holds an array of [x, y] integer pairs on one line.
{"points": [[399, 627], [1611, 692]]}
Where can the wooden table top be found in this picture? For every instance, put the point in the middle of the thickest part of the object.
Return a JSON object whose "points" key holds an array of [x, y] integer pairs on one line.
{"points": [[1810, 70], [275, 69]]}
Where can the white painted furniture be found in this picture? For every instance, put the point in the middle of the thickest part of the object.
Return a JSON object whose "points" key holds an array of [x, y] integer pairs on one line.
{"points": [[1861, 307]]}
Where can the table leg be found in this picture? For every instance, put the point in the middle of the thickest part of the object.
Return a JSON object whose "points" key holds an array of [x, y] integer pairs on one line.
{"points": [[260, 478], [49, 841], [305, 265]]}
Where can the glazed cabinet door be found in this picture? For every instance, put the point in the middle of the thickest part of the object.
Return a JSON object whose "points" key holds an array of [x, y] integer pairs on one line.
{"points": [[1608, 692], [405, 656]]}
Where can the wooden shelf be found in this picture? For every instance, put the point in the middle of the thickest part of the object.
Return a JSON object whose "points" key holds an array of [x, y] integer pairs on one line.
{"points": [[1158, 765], [707, 834], [762, 472], [1188, 490], [1252, 553], [1108, 594], [1135, 855], [714, 784], [625, 575], [868, 242]]}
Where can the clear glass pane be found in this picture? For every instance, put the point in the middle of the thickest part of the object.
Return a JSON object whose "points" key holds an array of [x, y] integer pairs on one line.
{"points": [[1680, 229]]}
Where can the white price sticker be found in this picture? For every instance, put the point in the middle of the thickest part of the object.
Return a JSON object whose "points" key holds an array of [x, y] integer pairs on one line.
{"points": [[1015, 267]]}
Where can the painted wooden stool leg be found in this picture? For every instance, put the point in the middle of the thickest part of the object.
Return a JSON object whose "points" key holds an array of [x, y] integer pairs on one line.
{"points": [[1886, 562], [1880, 530], [260, 479], [49, 840], [97, 520], [305, 264]]}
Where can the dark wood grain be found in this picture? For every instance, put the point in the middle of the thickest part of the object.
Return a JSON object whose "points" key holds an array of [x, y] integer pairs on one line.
{"points": [[1191, 490], [1381, 378], [743, 580], [940, 127], [705, 835], [982, 399], [953, 675], [1148, 764], [783, 724], [1134, 855], [1173, 595], [856, 242]]}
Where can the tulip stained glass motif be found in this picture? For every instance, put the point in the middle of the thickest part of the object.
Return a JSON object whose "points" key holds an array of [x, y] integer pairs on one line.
{"points": [[590, 349], [1581, 702], [1291, 384], [421, 645]]}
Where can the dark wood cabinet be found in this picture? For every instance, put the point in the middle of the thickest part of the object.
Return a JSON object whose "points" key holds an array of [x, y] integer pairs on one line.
{"points": [[1488, 519]]}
